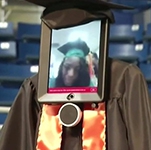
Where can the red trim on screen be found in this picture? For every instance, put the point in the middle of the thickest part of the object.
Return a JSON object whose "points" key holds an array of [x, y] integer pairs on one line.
{"points": [[73, 89]]}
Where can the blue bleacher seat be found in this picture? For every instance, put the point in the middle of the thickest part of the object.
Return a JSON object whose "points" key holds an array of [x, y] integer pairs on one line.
{"points": [[128, 17], [28, 52], [149, 53], [126, 33], [147, 36], [133, 53], [150, 91], [16, 73], [8, 50], [139, 4], [149, 86], [7, 95], [29, 32], [6, 31], [146, 70], [3, 117]]}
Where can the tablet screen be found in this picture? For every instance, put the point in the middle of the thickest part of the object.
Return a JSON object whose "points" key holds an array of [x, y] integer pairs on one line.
{"points": [[73, 62]]}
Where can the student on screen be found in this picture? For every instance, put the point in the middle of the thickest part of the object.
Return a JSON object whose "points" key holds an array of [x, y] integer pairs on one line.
{"points": [[73, 70]]}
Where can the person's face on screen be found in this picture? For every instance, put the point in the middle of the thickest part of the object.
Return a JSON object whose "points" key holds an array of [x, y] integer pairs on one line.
{"points": [[70, 70]]}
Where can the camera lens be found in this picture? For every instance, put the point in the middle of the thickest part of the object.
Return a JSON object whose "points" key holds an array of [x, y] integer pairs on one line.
{"points": [[70, 96]]}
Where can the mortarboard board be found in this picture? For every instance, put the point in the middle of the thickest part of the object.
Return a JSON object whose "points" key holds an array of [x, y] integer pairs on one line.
{"points": [[101, 4], [76, 48], [59, 13]]}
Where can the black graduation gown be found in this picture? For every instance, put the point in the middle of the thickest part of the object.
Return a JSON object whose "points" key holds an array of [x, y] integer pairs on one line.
{"points": [[128, 114]]}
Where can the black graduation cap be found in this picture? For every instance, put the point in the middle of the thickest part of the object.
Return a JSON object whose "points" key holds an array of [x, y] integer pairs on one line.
{"points": [[100, 4], [77, 48], [59, 11]]}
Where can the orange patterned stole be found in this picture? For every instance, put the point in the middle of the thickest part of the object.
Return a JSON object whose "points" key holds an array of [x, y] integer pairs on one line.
{"points": [[93, 132]]}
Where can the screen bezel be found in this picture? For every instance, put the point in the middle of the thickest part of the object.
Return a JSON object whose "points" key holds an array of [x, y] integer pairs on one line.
{"points": [[43, 76]]}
